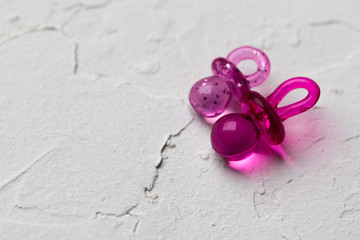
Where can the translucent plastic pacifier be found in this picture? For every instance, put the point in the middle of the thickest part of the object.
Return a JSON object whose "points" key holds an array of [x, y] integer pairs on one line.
{"points": [[235, 136], [211, 95]]}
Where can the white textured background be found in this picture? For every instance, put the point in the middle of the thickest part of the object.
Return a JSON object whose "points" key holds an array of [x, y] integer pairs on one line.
{"points": [[93, 97]]}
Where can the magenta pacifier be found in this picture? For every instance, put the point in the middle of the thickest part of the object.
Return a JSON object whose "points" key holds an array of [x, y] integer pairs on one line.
{"points": [[235, 136]]}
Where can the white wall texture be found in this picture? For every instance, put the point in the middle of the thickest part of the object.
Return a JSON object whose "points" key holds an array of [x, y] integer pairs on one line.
{"points": [[98, 140]]}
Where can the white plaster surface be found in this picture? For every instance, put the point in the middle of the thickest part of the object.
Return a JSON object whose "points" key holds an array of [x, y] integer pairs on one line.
{"points": [[98, 140]]}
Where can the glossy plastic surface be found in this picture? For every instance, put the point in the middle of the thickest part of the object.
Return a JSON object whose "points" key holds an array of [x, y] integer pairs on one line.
{"points": [[301, 106], [207, 98], [264, 116], [210, 96], [260, 58], [235, 136], [228, 71], [232, 75]]}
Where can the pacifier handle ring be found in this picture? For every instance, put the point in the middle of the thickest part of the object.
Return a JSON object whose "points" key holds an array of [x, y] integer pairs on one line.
{"points": [[298, 107], [258, 56]]}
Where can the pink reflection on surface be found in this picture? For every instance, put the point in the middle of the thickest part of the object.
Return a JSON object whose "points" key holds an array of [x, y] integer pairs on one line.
{"points": [[229, 126], [250, 165], [282, 154], [264, 157]]}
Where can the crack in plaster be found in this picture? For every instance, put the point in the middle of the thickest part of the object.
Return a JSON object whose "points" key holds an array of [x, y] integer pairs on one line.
{"points": [[255, 203], [43, 225], [67, 216], [48, 28], [150, 187], [334, 22], [292, 228], [283, 237], [76, 57], [350, 213], [350, 196], [25, 208], [152, 184], [135, 230], [28, 208], [87, 6], [78, 7], [127, 212], [25, 170], [352, 138], [318, 140], [168, 144]]}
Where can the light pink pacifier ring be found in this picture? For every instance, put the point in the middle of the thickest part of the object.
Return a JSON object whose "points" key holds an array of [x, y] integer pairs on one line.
{"points": [[259, 57]]}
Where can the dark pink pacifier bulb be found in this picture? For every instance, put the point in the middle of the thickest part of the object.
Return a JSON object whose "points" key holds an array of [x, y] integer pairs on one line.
{"points": [[235, 136]]}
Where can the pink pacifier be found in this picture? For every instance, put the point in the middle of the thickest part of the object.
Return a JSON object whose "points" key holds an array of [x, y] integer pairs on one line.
{"points": [[211, 95], [235, 136]]}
